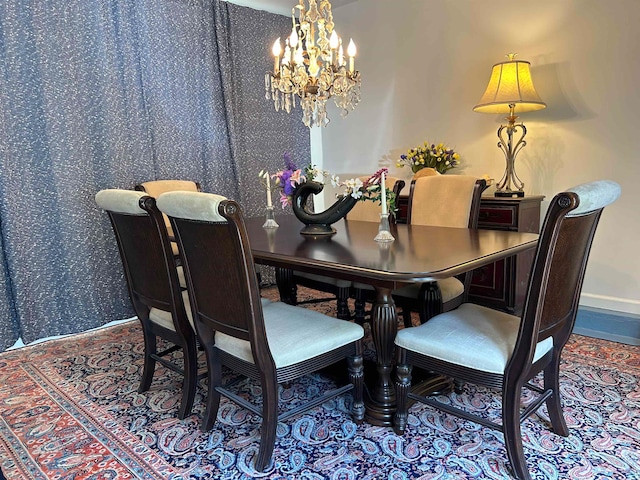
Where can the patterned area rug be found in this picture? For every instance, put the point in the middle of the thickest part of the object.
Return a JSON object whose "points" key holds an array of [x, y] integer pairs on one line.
{"points": [[70, 410]]}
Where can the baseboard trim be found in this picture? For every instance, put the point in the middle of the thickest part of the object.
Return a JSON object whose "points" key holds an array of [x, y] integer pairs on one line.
{"points": [[606, 302], [608, 324]]}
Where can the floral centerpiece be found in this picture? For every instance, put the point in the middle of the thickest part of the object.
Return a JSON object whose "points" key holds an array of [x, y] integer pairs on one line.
{"points": [[296, 185], [291, 177], [437, 156]]}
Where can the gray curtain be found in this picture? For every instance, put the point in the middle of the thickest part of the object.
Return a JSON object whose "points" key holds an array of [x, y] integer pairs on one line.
{"points": [[105, 94]]}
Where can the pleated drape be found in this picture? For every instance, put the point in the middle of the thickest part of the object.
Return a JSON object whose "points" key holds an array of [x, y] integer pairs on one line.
{"points": [[97, 94]]}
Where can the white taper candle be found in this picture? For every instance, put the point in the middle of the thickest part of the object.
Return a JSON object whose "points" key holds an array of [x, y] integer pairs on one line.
{"points": [[266, 175], [383, 193]]}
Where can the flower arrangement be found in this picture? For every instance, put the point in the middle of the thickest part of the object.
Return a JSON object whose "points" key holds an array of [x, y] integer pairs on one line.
{"points": [[288, 179], [439, 156]]}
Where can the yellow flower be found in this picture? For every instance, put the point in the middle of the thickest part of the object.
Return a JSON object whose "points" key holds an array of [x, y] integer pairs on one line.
{"points": [[455, 156]]}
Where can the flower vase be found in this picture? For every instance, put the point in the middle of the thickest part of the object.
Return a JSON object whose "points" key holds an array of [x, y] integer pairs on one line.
{"points": [[318, 224]]}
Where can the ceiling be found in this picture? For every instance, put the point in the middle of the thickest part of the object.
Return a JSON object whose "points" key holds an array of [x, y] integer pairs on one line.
{"points": [[282, 7]]}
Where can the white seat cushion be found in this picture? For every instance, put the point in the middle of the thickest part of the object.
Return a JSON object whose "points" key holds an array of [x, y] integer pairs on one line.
{"points": [[450, 288], [165, 319], [320, 278], [472, 336], [294, 334]]}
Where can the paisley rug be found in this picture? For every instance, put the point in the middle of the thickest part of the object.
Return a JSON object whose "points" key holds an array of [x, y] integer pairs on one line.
{"points": [[69, 409]]}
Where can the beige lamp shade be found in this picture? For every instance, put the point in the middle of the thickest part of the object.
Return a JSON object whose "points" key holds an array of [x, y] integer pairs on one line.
{"points": [[510, 84]]}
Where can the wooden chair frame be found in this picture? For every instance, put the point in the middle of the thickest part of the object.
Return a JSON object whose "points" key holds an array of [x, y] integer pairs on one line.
{"points": [[232, 265], [549, 312], [152, 281]]}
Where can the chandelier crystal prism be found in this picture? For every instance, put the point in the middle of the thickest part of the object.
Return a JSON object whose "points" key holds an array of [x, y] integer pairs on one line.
{"points": [[313, 66]]}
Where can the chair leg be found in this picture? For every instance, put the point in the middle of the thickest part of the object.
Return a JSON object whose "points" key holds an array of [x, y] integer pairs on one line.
{"points": [[150, 348], [406, 317], [429, 301], [214, 380], [269, 421], [360, 304], [356, 377], [190, 380], [554, 402], [286, 286], [403, 384], [342, 298], [512, 432], [458, 386]]}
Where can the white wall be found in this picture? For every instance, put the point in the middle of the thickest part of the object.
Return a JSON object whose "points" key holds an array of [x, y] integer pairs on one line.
{"points": [[425, 64]]}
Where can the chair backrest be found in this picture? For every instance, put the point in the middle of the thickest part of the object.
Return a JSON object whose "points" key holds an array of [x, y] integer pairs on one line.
{"points": [[558, 269], [155, 188], [426, 172], [219, 267], [370, 211], [145, 251], [445, 200]]}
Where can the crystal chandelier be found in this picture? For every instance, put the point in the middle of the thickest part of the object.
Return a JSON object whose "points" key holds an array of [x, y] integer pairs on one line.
{"points": [[313, 66]]}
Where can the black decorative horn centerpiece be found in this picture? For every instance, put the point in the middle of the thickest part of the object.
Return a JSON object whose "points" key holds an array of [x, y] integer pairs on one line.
{"points": [[319, 224]]}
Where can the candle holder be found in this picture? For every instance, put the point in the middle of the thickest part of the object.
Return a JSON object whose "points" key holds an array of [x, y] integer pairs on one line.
{"points": [[270, 221], [384, 235]]}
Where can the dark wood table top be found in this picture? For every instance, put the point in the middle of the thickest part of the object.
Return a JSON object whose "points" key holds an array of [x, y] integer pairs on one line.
{"points": [[419, 253]]}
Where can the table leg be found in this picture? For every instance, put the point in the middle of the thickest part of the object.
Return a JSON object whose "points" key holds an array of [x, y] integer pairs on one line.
{"points": [[380, 403]]}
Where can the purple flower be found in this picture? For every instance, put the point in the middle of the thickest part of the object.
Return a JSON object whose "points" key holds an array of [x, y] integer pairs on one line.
{"points": [[288, 163]]}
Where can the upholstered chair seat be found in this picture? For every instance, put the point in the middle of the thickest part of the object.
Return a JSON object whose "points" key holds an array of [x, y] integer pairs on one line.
{"points": [[450, 289], [294, 335], [471, 336]]}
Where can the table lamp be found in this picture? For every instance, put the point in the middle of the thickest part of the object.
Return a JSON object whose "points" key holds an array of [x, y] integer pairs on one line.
{"points": [[510, 88]]}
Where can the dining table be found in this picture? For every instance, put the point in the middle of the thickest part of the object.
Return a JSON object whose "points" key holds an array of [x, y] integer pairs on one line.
{"points": [[417, 254]]}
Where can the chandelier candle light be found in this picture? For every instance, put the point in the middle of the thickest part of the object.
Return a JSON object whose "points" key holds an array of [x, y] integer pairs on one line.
{"points": [[313, 67], [510, 87]]}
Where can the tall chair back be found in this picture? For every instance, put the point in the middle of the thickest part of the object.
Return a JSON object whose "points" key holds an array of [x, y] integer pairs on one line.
{"points": [[153, 282], [445, 201]]}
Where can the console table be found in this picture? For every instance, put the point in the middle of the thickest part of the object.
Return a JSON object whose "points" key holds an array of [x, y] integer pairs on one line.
{"points": [[503, 284]]}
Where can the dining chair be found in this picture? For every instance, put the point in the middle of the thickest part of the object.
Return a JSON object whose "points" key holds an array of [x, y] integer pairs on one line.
{"points": [[155, 188], [340, 289], [501, 351], [270, 344], [444, 201], [153, 281], [426, 172]]}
